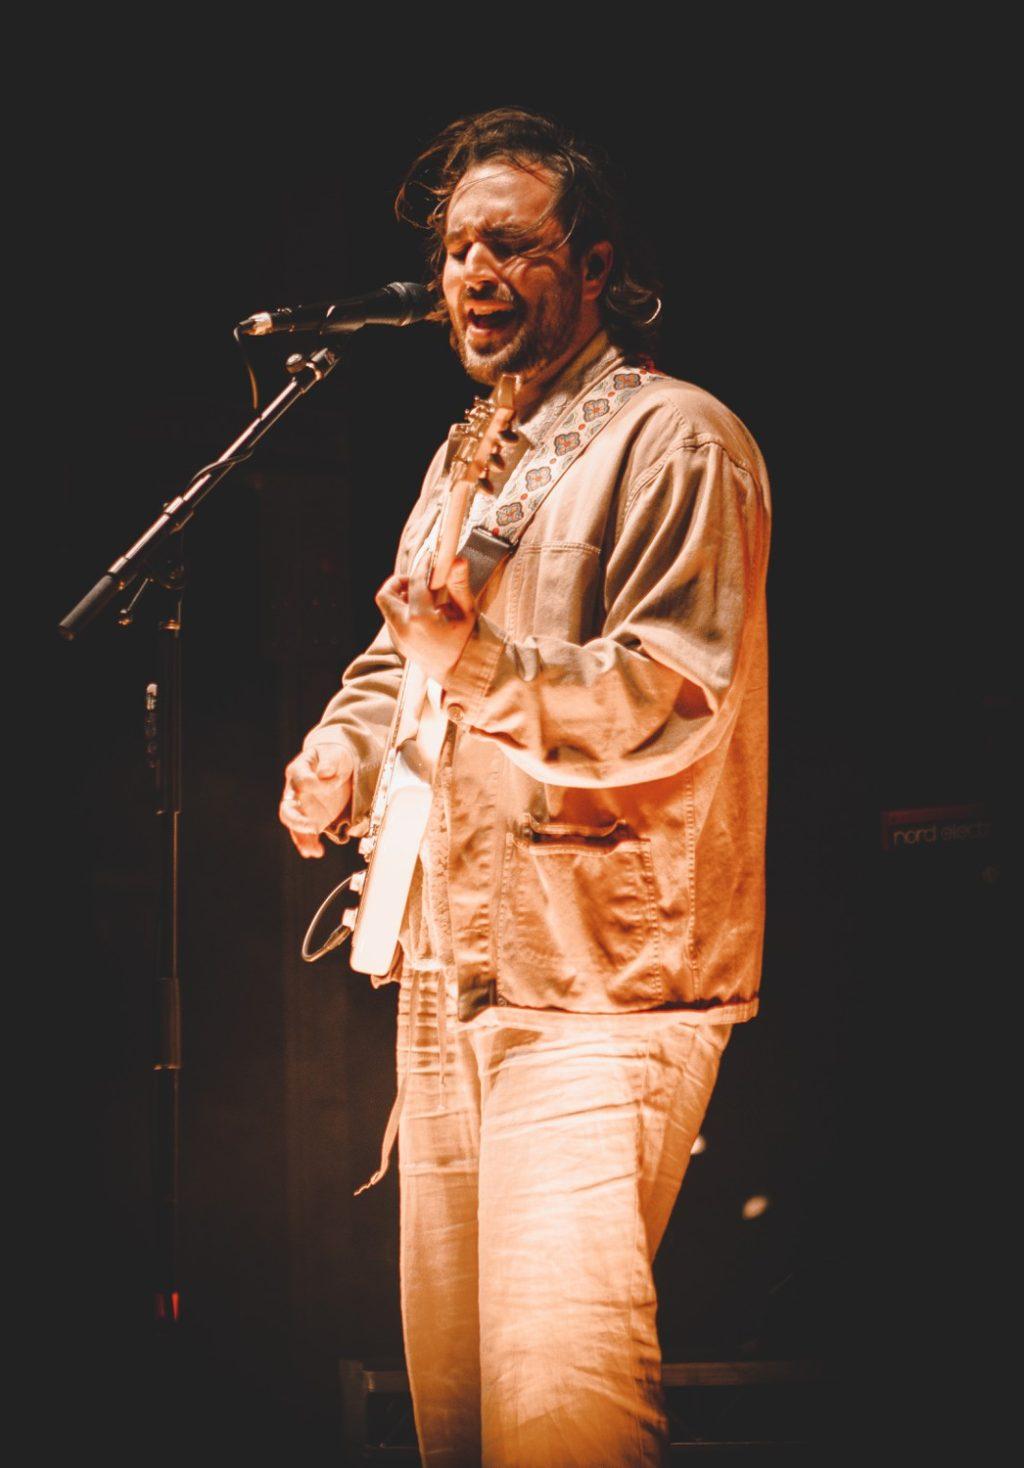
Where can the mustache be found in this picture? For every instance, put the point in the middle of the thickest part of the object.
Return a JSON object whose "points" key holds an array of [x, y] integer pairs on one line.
{"points": [[491, 298]]}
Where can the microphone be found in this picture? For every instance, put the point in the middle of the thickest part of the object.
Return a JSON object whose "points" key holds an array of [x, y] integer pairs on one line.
{"points": [[398, 304]]}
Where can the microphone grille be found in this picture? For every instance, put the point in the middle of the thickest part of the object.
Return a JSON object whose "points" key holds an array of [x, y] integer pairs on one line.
{"points": [[417, 300]]}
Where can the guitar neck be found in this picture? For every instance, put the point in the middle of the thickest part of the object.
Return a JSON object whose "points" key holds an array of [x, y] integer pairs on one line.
{"points": [[471, 457], [457, 501]]}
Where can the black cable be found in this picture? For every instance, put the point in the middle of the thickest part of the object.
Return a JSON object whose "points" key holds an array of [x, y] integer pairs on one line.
{"points": [[253, 384], [219, 464]]}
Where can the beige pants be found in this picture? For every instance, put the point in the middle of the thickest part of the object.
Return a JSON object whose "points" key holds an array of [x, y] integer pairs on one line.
{"points": [[535, 1190]]}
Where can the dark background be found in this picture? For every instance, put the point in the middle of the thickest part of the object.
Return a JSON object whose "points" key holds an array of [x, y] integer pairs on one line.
{"points": [[816, 229]]}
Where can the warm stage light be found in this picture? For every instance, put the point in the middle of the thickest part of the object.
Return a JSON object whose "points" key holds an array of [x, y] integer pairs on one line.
{"points": [[698, 1146], [755, 1206]]}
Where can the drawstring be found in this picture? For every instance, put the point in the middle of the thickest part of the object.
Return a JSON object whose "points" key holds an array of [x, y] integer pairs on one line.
{"points": [[391, 1130]]}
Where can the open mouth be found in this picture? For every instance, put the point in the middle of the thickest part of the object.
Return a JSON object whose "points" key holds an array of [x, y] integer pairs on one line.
{"points": [[490, 320]]}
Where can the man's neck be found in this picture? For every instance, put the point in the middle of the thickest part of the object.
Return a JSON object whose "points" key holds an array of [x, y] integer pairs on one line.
{"points": [[532, 415], [535, 389]]}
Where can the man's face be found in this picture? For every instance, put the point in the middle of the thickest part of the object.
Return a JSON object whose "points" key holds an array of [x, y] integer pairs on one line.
{"points": [[510, 311]]}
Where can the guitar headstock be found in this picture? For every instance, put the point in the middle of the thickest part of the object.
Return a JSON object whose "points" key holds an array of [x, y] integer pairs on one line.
{"points": [[476, 440]]}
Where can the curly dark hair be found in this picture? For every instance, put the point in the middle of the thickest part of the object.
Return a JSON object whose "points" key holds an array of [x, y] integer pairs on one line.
{"points": [[586, 205]]}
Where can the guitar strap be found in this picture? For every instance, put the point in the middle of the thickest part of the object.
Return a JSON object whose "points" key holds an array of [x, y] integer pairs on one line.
{"points": [[506, 520]]}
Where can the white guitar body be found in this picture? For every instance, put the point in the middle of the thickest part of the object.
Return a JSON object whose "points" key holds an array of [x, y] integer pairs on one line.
{"points": [[392, 851]]}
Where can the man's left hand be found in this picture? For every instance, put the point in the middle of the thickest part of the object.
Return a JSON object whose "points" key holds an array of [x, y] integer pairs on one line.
{"points": [[430, 627]]}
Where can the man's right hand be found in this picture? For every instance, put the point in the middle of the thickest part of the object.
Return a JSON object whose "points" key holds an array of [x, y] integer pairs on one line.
{"points": [[317, 788]]}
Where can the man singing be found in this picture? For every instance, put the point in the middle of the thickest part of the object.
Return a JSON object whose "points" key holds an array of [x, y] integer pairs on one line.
{"points": [[585, 925]]}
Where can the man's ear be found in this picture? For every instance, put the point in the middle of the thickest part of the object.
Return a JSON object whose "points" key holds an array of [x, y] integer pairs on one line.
{"points": [[596, 264]]}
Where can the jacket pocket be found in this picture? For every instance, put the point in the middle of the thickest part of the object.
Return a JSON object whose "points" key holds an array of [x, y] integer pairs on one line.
{"points": [[578, 927]]}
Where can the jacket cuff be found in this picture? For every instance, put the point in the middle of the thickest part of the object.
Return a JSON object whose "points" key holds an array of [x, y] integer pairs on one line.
{"points": [[468, 683]]}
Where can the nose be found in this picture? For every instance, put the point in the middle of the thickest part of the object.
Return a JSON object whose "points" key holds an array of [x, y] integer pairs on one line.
{"points": [[479, 266]]}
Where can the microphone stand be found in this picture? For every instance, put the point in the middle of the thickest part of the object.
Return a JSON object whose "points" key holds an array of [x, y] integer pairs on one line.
{"points": [[156, 557]]}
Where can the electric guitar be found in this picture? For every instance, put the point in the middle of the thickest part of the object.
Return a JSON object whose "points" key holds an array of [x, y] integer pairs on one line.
{"points": [[404, 789]]}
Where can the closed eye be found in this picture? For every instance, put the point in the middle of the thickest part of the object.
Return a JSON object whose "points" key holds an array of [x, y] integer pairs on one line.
{"points": [[502, 247]]}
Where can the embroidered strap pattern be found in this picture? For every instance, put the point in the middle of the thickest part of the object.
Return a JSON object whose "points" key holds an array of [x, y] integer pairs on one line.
{"points": [[539, 472]]}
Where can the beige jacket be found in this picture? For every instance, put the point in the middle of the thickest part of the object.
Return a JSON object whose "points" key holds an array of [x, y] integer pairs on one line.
{"points": [[597, 835]]}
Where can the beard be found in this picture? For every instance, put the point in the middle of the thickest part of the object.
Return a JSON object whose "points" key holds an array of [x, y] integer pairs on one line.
{"points": [[540, 336]]}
